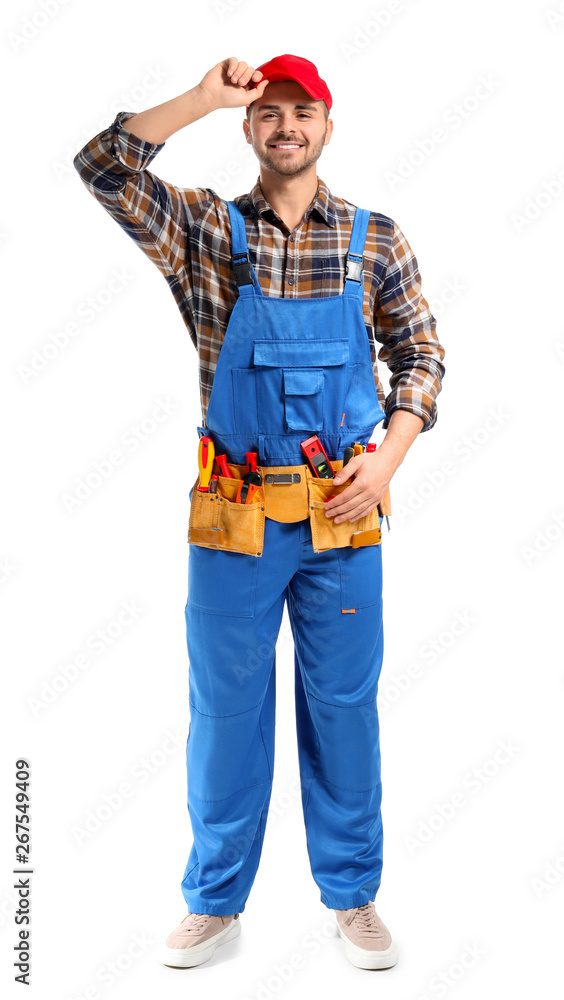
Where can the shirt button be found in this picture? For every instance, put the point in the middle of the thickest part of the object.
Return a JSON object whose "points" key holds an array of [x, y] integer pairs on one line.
{"points": [[290, 281], [292, 238]]}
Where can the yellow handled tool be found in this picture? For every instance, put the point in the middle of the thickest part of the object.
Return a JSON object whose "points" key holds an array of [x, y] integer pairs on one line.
{"points": [[206, 455]]}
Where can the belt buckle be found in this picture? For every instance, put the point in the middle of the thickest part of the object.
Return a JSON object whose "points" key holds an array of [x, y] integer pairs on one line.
{"points": [[282, 478]]}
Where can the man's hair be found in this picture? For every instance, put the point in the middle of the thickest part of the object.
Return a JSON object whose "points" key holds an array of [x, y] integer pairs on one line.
{"points": [[325, 111]]}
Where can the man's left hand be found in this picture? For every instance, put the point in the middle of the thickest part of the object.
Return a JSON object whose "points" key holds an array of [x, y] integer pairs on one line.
{"points": [[370, 472]]}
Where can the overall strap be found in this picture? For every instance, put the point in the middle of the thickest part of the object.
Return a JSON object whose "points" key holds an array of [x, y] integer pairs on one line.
{"points": [[353, 273], [240, 261]]}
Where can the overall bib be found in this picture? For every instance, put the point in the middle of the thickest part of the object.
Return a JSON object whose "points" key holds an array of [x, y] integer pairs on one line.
{"points": [[288, 368]]}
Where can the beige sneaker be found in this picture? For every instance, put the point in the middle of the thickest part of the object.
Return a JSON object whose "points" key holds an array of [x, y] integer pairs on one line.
{"points": [[368, 942], [196, 938]]}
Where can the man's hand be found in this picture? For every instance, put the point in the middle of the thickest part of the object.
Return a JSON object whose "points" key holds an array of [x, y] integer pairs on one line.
{"points": [[233, 84], [229, 84], [371, 471]]}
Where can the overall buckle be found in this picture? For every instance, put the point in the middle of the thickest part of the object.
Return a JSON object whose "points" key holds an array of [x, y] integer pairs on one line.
{"points": [[353, 269], [242, 269]]}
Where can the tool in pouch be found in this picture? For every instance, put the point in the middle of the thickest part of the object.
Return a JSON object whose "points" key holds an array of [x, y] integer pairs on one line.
{"points": [[232, 518], [206, 452], [250, 482]]}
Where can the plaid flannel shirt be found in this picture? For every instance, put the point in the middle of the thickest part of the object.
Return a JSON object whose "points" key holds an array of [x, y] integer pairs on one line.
{"points": [[186, 233]]}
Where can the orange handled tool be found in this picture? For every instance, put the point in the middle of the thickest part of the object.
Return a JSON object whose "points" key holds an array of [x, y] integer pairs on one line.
{"points": [[223, 467], [248, 486], [206, 452]]}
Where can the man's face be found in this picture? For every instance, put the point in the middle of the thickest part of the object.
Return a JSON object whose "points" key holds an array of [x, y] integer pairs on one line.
{"points": [[271, 130]]}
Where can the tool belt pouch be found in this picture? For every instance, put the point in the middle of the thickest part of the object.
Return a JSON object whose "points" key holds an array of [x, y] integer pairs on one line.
{"points": [[217, 522], [325, 534]]}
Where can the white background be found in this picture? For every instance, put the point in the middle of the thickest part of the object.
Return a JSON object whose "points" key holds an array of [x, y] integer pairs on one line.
{"points": [[475, 535]]}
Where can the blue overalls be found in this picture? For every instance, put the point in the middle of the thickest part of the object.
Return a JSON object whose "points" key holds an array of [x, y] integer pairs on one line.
{"points": [[288, 368]]}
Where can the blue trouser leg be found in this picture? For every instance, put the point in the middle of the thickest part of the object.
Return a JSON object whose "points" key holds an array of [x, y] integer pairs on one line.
{"points": [[228, 831], [338, 659], [233, 616]]}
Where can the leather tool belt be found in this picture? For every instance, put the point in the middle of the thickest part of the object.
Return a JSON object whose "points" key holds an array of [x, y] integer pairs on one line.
{"points": [[288, 493]]}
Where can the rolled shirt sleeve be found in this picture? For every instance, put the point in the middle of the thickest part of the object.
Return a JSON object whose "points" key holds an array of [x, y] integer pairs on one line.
{"points": [[405, 326], [156, 214]]}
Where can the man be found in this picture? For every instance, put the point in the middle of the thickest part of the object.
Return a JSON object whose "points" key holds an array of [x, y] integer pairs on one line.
{"points": [[284, 291]]}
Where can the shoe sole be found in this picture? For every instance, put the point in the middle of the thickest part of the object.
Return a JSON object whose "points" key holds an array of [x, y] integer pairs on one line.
{"points": [[186, 958], [363, 959]]}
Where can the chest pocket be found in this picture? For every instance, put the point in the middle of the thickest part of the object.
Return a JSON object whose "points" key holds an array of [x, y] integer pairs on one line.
{"points": [[303, 398], [300, 383]]}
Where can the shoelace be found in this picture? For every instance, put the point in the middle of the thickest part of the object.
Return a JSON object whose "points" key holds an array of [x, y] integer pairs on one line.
{"points": [[195, 921], [366, 920]]}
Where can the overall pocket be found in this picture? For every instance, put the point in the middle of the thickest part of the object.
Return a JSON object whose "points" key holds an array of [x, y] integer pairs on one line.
{"points": [[217, 522], [325, 534], [361, 580], [303, 398], [296, 379], [221, 582]]}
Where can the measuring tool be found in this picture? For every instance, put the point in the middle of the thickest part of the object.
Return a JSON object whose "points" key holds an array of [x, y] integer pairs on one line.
{"points": [[317, 458]]}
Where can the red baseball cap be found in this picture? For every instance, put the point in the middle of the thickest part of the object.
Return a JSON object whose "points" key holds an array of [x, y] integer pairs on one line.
{"points": [[289, 67]]}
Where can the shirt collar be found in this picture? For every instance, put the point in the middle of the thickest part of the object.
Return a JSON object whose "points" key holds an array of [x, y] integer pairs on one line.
{"points": [[323, 204]]}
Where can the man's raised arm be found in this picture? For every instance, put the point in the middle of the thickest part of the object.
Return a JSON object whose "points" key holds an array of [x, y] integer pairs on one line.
{"points": [[113, 165]]}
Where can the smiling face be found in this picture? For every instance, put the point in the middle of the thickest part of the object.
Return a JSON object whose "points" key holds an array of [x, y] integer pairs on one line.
{"points": [[287, 128]]}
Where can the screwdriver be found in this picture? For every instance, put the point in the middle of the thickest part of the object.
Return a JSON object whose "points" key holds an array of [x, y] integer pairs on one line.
{"points": [[206, 453]]}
